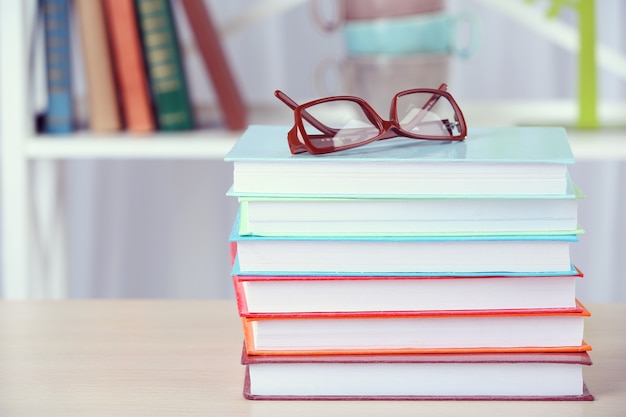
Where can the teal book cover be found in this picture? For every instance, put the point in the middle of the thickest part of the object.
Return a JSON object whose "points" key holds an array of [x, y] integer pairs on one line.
{"points": [[165, 65], [236, 271], [483, 145]]}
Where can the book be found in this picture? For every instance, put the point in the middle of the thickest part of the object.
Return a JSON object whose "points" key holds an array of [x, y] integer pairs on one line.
{"points": [[490, 162], [101, 89], [207, 38], [417, 332], [165, 69], [258, 295], [320, 216], [476, 376], [129, 65], [344, 255], [59, 108]]}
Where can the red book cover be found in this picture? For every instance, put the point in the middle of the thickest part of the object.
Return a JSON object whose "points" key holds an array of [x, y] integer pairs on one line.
{"points": [[283, 289], [129, 65]]}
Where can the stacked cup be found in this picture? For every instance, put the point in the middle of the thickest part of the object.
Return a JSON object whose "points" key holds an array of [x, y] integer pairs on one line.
{"points": [[394, 45]]}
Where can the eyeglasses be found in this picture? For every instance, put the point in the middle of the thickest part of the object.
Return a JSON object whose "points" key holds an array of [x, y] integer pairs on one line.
{"points": [[343, 122]]}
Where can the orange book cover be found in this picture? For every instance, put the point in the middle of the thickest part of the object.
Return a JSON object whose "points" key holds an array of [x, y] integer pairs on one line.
{"points": [[103, 109], [129, 65], [463, 320]]}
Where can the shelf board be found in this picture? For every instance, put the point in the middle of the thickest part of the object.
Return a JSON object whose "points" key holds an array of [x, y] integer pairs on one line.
{"points": [[194, 144], [608, 142], [199, 144]]}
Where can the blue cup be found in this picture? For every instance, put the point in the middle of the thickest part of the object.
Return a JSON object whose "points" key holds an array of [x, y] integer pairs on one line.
{"points": [[438, 33]]}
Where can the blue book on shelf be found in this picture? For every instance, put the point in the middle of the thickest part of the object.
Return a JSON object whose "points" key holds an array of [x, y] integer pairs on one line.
{"points": [[491, 161], [59, 112]]}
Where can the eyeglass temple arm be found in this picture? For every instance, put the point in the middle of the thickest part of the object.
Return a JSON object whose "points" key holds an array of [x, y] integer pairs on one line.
{"points": [[305, 115], [431, 102]]}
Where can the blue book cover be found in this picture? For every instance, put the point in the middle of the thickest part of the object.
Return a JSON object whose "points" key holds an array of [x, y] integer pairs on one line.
{"points": [[483, 145], [236, 270], [59, 111]]}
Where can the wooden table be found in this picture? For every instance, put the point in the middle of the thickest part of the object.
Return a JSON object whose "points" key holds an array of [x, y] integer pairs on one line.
{"points": [[181, 358]]}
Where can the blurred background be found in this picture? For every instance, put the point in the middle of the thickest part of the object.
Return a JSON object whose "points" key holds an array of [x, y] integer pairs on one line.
{"points": [[147, 228]]}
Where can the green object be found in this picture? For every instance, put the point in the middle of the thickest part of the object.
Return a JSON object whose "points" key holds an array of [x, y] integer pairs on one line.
{"points": [[164, 62], [587, 78]]}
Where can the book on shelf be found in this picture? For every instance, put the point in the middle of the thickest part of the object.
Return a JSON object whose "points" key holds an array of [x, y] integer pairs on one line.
{"points": [[468, 254], [417, 332], [165, 68], [59, 108], [461, 376], [208, 40], [129, 65], [491, 161], [258, 295], [311, 216], [101, 88]]}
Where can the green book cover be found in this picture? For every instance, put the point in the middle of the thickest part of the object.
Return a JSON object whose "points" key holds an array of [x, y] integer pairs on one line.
{"points": [[164, 62]]}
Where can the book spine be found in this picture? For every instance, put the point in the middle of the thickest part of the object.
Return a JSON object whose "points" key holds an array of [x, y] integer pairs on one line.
{"points": [[103, 109], [164, 61], [129, 65], [59, 112], [209, 43]]}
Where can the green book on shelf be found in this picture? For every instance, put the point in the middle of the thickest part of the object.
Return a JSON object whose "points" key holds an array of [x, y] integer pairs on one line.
{"points": [[165, 67]]}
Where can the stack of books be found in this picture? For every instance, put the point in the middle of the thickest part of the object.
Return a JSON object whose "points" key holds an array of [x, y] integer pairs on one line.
{"points": [[409, 269]]}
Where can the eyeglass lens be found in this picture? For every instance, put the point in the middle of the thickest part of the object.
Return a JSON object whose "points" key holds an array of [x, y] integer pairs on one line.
{"points": [[346, 121], [427, 114]]}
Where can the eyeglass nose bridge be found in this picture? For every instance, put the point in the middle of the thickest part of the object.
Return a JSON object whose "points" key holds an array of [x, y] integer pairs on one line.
{"points": [[389, 129]]}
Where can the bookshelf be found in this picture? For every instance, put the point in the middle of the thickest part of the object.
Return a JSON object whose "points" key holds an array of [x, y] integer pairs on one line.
{"points": [[13, 133], [20, 148]]}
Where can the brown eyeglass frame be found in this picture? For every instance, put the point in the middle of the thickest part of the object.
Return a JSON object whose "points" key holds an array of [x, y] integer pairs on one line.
{"points": [[387, 128]]}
